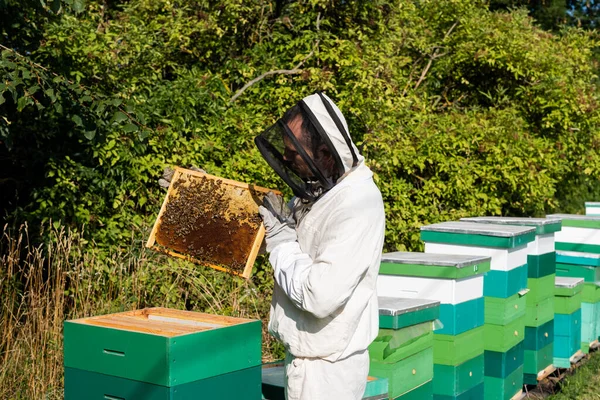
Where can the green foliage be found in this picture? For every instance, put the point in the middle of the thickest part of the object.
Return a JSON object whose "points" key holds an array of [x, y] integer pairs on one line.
{"points": [[460, 110]]}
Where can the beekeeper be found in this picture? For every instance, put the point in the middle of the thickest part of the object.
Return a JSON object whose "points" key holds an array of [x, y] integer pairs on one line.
{"points": [[325, 251]]}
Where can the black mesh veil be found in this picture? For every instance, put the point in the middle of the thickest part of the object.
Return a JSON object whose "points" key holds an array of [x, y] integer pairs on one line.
{"points": [[301, 152]]}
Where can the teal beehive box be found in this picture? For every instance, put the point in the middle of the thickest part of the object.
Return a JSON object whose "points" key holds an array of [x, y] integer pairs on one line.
{"points": [[403, 350], [159, 353], [567, 320]]}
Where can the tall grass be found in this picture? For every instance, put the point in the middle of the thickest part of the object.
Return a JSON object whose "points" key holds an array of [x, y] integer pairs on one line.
{"points": [[67, 277]]}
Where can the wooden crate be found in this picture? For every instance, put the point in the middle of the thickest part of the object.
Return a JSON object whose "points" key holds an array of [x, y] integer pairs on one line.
{"points": [[162, 346], [461, 317], [502, 338], [455, 350], [210, 221], [501, 311]]}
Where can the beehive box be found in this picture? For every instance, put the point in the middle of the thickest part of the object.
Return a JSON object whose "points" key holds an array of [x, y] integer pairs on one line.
{"points": [[592, 208], [161, 347], [580, 233], [403, 349], [211, 221], [454, 280], [567, 320]]}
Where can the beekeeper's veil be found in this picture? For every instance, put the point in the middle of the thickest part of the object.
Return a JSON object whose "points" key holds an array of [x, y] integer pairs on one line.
{"points": [[310, 147]]}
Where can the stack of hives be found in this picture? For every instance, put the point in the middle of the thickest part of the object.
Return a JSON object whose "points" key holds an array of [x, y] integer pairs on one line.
{"points": [[578, 255], [504, 290], [457, 282], [585, 266], [403, 350], [567, 320], [539, 319], [162, 354]]}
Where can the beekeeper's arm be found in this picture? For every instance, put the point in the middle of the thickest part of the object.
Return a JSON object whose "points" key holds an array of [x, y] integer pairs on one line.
{"points": [[323, 285]]}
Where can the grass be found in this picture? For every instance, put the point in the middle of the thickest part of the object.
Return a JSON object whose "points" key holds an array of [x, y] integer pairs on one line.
{"points": [[583, 384], [67, 277]]}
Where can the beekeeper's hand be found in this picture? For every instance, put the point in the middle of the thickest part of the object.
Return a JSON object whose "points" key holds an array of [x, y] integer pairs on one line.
{"points": [[167, 176], [279, 225]]}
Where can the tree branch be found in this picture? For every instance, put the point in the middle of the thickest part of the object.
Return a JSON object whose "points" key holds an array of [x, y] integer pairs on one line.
{"points": [[293, 71], [433, 56]]}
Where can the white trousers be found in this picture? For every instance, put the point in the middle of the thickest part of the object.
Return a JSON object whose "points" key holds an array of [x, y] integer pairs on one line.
{"points": [[317, 379]]}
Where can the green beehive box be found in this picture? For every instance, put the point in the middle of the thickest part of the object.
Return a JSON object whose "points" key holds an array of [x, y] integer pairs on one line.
{"points": [[475, 234], [455, 350], [567, 295], [392, 345], [475, 393], [161, 346], [500, 365], [541, 265], [454, 380], [398, 313], [407, 374], [540, 313], [537, 338], [81, 384], [501, 311], [423, 392], [588, 326], [505, 283], [575, 224], [502, 338], [591, 292], [535, 362], [503, 389], [540, 289], [439, 266], [588, 273]]}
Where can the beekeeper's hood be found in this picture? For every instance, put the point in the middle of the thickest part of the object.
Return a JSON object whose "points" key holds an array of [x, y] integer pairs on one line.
{"points": [[310, 147]]}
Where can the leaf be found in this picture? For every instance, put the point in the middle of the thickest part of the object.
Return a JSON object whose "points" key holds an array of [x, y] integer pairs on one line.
{"points": [[77, 120], [55, 7], [89, 135], [130, 128], [78, 6], [119, 117]]}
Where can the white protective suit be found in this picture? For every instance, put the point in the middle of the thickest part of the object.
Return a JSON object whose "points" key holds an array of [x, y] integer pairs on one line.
{"points": [[324, 306]]}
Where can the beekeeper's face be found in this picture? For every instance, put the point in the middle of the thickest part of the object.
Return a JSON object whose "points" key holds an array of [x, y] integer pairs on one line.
{"points": [[291, 154]]}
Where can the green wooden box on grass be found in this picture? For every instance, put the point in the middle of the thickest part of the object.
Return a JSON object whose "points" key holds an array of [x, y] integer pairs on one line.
{"points": [[162, 346], [453, 380], [398, 313], [81, 384], [588, 325], [475, 393], [503, 389]]}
